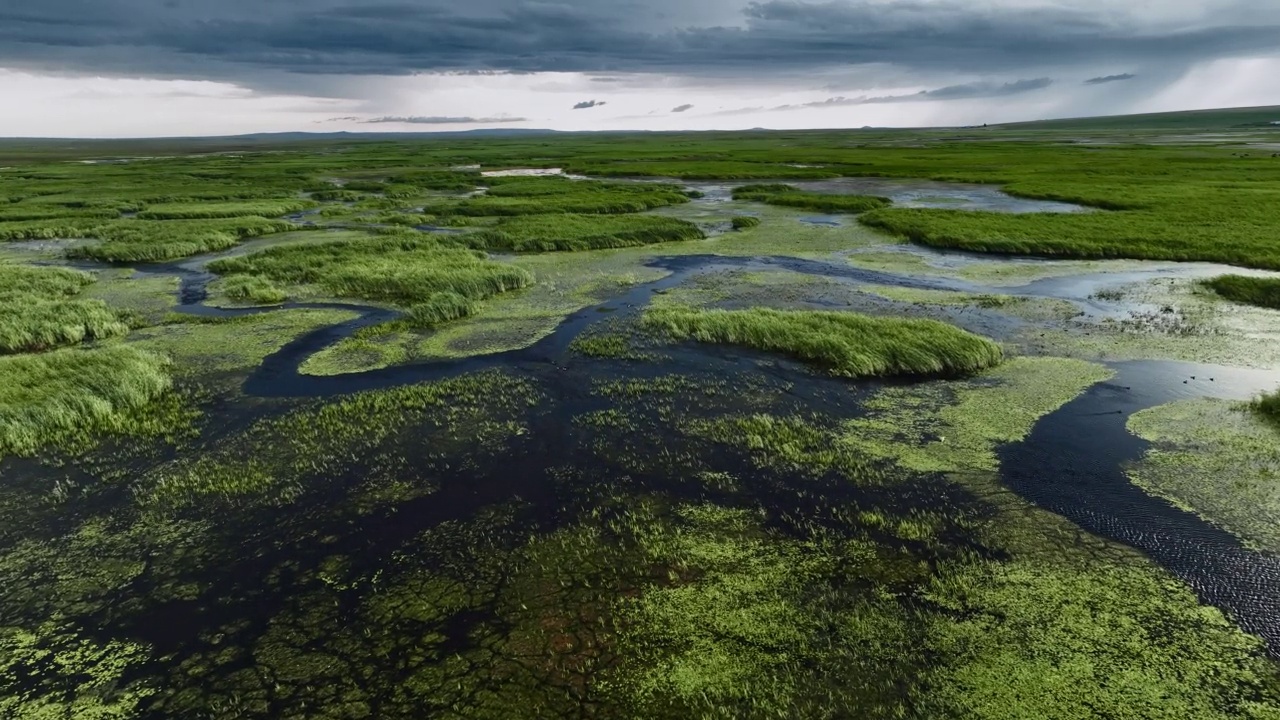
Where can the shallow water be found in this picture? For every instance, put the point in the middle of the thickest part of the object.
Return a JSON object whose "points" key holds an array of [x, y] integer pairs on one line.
{"points": [[905, 193]]}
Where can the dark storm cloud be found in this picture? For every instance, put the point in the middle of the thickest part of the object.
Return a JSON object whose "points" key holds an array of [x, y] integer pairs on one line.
{"points": [[258, 43], [437, 120], [1109, 79], [588, 104], [681, 108]]}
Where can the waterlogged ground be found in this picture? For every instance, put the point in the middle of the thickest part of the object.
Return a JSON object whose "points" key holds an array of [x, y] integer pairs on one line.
{"points": [[546, 509]]}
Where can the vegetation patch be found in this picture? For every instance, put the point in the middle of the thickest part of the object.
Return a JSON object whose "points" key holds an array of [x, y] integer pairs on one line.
{"points": [[1263, 292], [72, 395], [205, 211], [253, 289], [1216, 459], [158, 241], [937, 428], [744, 222], [584, 232], [541, 196], [37, 312], [847, 344], [790, 196], [437, 282]]}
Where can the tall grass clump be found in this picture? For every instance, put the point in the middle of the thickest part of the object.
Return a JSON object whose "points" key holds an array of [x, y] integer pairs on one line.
{"points": [[158, 241], [36, 325], [74, 394], [847, 344], [544, 196], [253, 289], [48, 229], [38, 312], [789, 196], [23, 280], [745, 222], [206, 211], [545, 233], [409, 270], [1268, 406], [1263, 292]]}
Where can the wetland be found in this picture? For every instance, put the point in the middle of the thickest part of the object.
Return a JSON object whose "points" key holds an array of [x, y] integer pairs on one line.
{"points": [[819, 424]]}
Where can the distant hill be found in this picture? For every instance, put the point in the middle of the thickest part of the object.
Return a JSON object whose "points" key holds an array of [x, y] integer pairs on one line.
{"points": [[1218, 119]]}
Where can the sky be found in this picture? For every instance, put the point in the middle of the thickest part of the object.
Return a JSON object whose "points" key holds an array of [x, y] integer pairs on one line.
{"points": [[147, 68]]}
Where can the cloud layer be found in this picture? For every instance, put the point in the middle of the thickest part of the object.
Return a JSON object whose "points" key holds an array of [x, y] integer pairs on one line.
{"points": [[248, 41]]}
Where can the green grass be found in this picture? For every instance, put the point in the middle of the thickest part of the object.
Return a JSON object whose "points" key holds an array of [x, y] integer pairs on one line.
{"points": [[38, 311], [789, 196], [207, 211], [1263, 292], [253, 289], [1268, 406], [34, 325], [847, 344], [74, 394], [543, 233], [745, 222], [158, 241], [410, 270], [540, 196], [18, 281]]}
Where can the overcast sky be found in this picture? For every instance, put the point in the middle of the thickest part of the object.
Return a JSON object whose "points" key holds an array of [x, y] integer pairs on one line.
{"points": [[102, 68]]}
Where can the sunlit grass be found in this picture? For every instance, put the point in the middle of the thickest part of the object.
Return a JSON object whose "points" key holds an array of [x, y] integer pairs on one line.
{"points": [[845, 343]]}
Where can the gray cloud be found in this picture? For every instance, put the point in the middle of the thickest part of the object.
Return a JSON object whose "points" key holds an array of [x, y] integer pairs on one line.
{"points": [[986, 89], [1109, 79], [437, 120], [270, 44], [681, 108], [589, 104]]}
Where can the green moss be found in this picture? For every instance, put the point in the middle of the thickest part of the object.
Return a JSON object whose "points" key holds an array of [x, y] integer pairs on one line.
{"points": [[204, 348], [956, 428], [75, 676], [1028, 639], [1217, 460], [278, 460], [845, 343]]}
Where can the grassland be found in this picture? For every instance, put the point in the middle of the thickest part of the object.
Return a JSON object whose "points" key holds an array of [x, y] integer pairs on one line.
{"points": [[686, 536], [846, 344], [1263, 292], [1268, 406]]}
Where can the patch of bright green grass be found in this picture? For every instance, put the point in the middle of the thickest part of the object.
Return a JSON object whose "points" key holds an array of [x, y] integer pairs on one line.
{"points": [[789, 196], [205, 211], [541, 233], [253, 289], [20, 280], [1263, 292], [406, 269], [35, 325], [71, 394], [158, 241], [847, 344], [540, 196], [744, 222]]}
